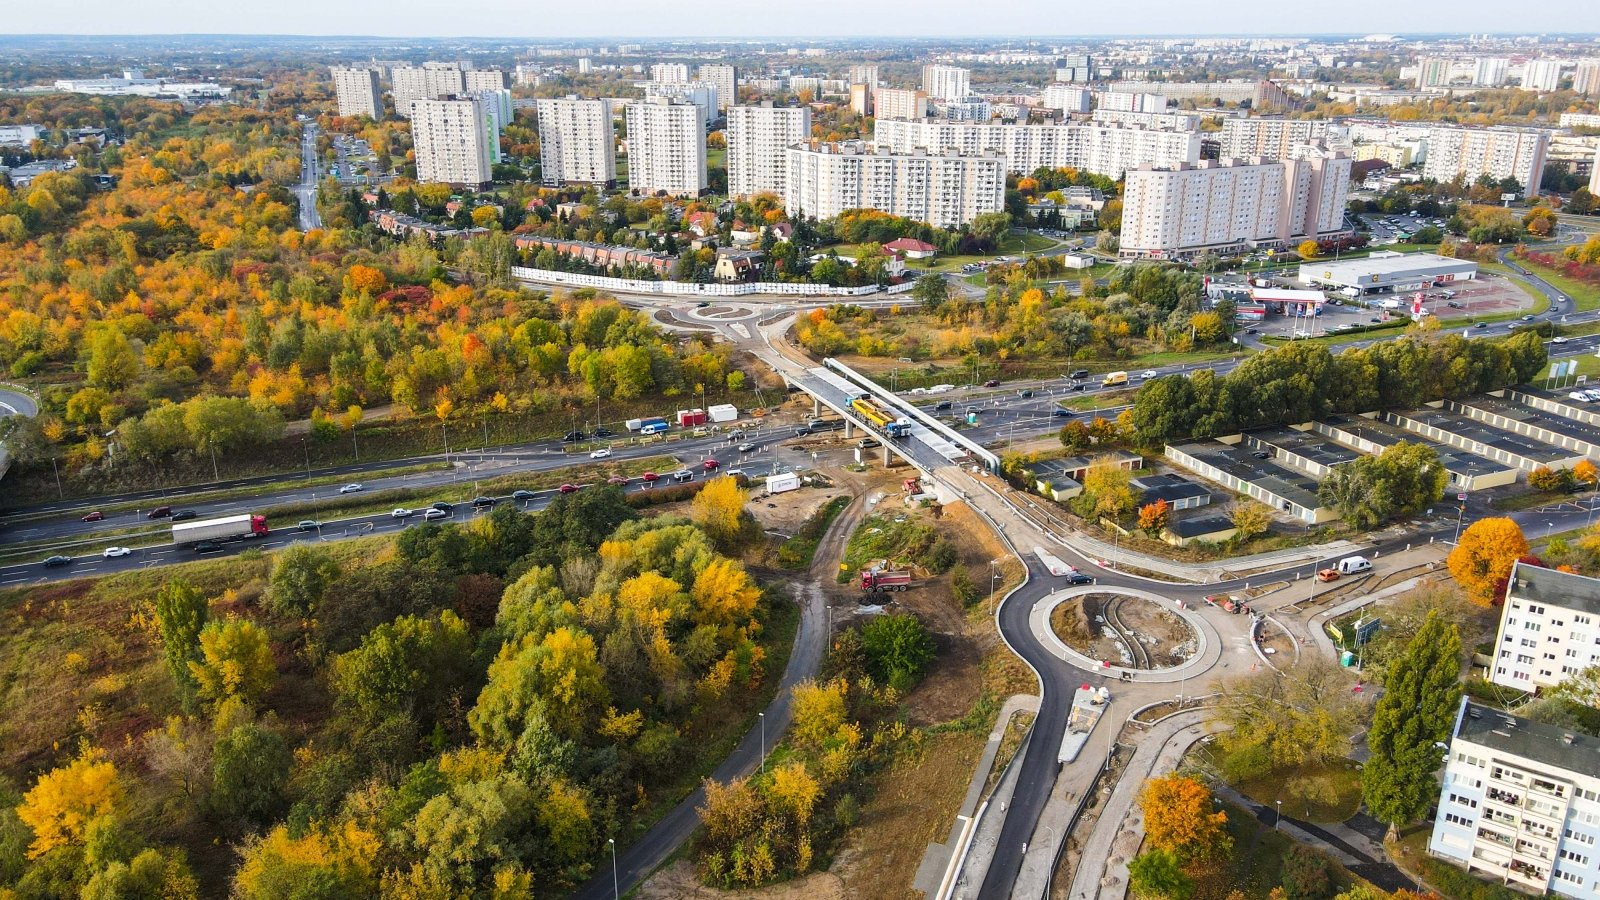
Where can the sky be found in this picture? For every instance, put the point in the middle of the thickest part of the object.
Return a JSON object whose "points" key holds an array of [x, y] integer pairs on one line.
{"points": [[537, 19]]}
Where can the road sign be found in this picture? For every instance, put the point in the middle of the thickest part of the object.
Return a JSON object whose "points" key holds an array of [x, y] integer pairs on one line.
{"points": [[1461, 496]]}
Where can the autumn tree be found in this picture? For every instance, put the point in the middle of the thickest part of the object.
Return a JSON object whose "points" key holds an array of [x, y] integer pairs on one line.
{"points": [[1107, 488], [819, 710], [65, 800], [339, 859], [1422, 690], [1180, 818], [1275, 720], [1308, 249], [181, 611], [301, 574], [235, 662], [1251, 518], [719, 509], [1481, 563], [1154, 516]]}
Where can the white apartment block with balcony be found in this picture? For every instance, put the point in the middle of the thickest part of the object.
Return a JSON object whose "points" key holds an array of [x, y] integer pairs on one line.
{"points": [[480, 80], [1233, 205], [666, 147], [428, 81], [758, 141], [725, 79], [1130, 101], [946, 82], [1542, 74], [577, 142], [1580, 120], [942, 189], [1490, 71], [1161, 121], [1067, 98], [452, 138], [1549, 628], [1497, 152], [1586, 77], [703, 94], [866, 73], [899, 103], [669, 72], [1101, 149], [357, 90], [1272, 138], [1520, 803]]}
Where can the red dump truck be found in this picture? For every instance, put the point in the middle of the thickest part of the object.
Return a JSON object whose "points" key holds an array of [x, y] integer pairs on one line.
{"points": [[883, 578]]}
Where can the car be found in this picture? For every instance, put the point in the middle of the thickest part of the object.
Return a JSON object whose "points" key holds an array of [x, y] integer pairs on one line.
{"points": [[182, 514], [993, 382], [1481, 325], [1560, 299], [522, 495], [308, 525], [748, 447], [1080, 387], [433, 515], [802, 431], [160, 512], [604, 432], [1025, 394], [1149, 373], [572, 437], [96, 516], [208, 547], [649, 477], [602, 453], [1453, 305], [1079, 374], [973, 410], [400, 512], [710, 465], [1059, 413], [1328, 575], [943, 405], [352, 488], [568, 489], [442, 506], [114, 552], [702, 304], [617, 479], [683, 476], [1578, 395], [1527, 318], [1252, 331], [1558, 340], [1080, 578], [51, 562], [483, 502]]}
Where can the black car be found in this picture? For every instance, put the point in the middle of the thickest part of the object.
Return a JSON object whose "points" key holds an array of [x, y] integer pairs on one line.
{"points": [[1079, 578], [522, 495], [482, 502], [573, 437], [52, 562], [604, 432], [1080, 387], [443, 506], [183, 514], [802, 431], [943, 405], [1024, 394], [207, 547], [1059, 413]]}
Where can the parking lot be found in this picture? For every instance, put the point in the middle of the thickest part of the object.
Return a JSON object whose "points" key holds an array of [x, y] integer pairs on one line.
{"points": [[1396, 229], [1487, 296]]}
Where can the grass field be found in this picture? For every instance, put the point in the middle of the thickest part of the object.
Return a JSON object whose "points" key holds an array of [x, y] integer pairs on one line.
{"points": [[1584, 296]]}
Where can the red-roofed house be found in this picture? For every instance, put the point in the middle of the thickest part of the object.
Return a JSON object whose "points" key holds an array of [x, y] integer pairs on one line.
{"points": [[911, 247]]}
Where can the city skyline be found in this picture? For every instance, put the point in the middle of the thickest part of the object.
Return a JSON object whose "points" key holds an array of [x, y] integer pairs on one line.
{"points": [[822, 20]]}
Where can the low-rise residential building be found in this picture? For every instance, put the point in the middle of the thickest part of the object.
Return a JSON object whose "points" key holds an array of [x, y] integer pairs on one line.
{"points": [[942, 189], [609, 257], [1520, 803], [737, 265]]}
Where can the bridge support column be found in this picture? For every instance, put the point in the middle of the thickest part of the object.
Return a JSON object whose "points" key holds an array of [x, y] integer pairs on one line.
{"points": [[849, 429], [886, 456], [816, 407]]}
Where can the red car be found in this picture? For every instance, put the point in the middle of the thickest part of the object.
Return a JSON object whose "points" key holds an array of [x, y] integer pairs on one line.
{"points": [[96, 516], [617, 479], [568, 488], [649, 477], [710, 465]]}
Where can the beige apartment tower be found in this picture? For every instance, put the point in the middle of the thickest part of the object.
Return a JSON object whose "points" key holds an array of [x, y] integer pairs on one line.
{"points": [[577, 143], [758, 138], [666, 147], [451, 136], [357, 90]]}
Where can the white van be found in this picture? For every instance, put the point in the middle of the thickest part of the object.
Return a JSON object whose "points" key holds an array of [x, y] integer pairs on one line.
{"points": [[1350, 565]]}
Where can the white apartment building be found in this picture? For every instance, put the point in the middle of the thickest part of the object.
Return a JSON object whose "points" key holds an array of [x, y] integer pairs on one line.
{"points": [[1490, 71], [758, 141], [866, 74], [1580, 120], [357, 91], [666, 147], [1128, 101], [585, 65], [1164, 121], [1434, 71], [942, 189], [1236, 204], [703, 94], [1586, 78], [669, 72], [479, 80], [1520, 803], [1067, 98], [1075, 67], [1398, 155], [425, 82], [1549, 628], [1497, 152], [22, 135], [1541, 74], [1272, 138], [725, 79], [861, 99], [453, 138], [899, 103], [971, 108], [946, 82], [577, 143], [1102, 149]]}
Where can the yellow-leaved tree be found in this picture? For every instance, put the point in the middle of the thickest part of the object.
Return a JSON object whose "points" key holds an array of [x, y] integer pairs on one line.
{"points": [[1482, 561], [65, 800], [236, 662], [1308, 249], [1180, 818], [719, 507]]}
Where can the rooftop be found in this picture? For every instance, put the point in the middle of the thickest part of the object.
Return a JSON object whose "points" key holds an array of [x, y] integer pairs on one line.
{"points": [[1568, 750], [1168, 487], [1534, 418], [1390, 264], [1488, 435], [1200, 526], [1304, 444], [1285, 483], [1455, 461], [1554, 588]]}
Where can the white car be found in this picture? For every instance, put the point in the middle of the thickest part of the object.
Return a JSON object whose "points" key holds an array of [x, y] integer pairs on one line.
{"points": [[114, 552], [602, 453], [1148, 373], [352, 488], [1558, 340], [432, 515], [1578, 395], [402, 513]]}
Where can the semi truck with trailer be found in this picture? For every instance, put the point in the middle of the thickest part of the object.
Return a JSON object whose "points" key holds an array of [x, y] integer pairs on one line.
{"points": [[892, 426], [228, 528]]}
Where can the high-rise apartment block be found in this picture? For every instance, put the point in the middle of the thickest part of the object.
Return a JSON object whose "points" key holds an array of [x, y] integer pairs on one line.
{"points": [[758, 141], [1490, 71], [1162, 121], [899, 103], [452, 137], [946, 82], [1232, 205], [725, 79], [1520, 803], [1066, 98], [428, 81], [703, 94], [940, 189], [861, 99], [1586, 78], [1434, 71], [1261, 94], [1101, 149], [357, 91], [666, 147], [1549, 628], [1271, 138], [1541, 75], [1127, 101], [1075, 67], [477, 80], [1499, 153], [673, 72], [577, 143], [864, 74]]}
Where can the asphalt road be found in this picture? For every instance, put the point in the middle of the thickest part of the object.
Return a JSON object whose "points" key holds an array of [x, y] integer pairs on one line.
{"points": [[306, 190]]}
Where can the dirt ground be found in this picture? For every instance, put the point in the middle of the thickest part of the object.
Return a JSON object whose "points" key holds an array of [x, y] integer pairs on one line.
{"points": [[1168, 639], [786, 512], [1278, 645], [679, 882]]}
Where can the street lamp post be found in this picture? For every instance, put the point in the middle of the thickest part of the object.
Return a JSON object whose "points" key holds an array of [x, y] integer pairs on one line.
{"points": [[763, 717], [993, 577], [1279, 817], [616, 883]]}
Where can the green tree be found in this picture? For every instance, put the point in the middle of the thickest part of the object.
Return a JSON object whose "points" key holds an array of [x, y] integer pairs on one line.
{"points": [[411, 664], [899, 649], [300, 576], [1370, 490], [113, 364], [558, 676], [150, 875], [1421, 693], [1157, 875], [250, 776], [991, 227], [235, 662], [181, 612]]}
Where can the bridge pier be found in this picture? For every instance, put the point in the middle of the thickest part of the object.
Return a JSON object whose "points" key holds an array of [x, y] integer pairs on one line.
{"points": [[849, 429], [886, 456], [816, 407]]}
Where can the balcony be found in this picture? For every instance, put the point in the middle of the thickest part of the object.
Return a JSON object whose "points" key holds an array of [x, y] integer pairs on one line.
{"points": [[1496, 837]]}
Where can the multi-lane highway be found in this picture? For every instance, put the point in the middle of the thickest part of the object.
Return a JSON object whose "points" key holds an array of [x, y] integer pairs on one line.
{"points": [[310, 169]]}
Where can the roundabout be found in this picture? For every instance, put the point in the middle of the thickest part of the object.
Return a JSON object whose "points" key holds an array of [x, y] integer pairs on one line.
{"points": [[1136, 662]]}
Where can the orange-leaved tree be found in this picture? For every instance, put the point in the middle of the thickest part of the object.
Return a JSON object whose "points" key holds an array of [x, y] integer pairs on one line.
{"points": [[1180, 818], [1154, 516], [1482, 561]]}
